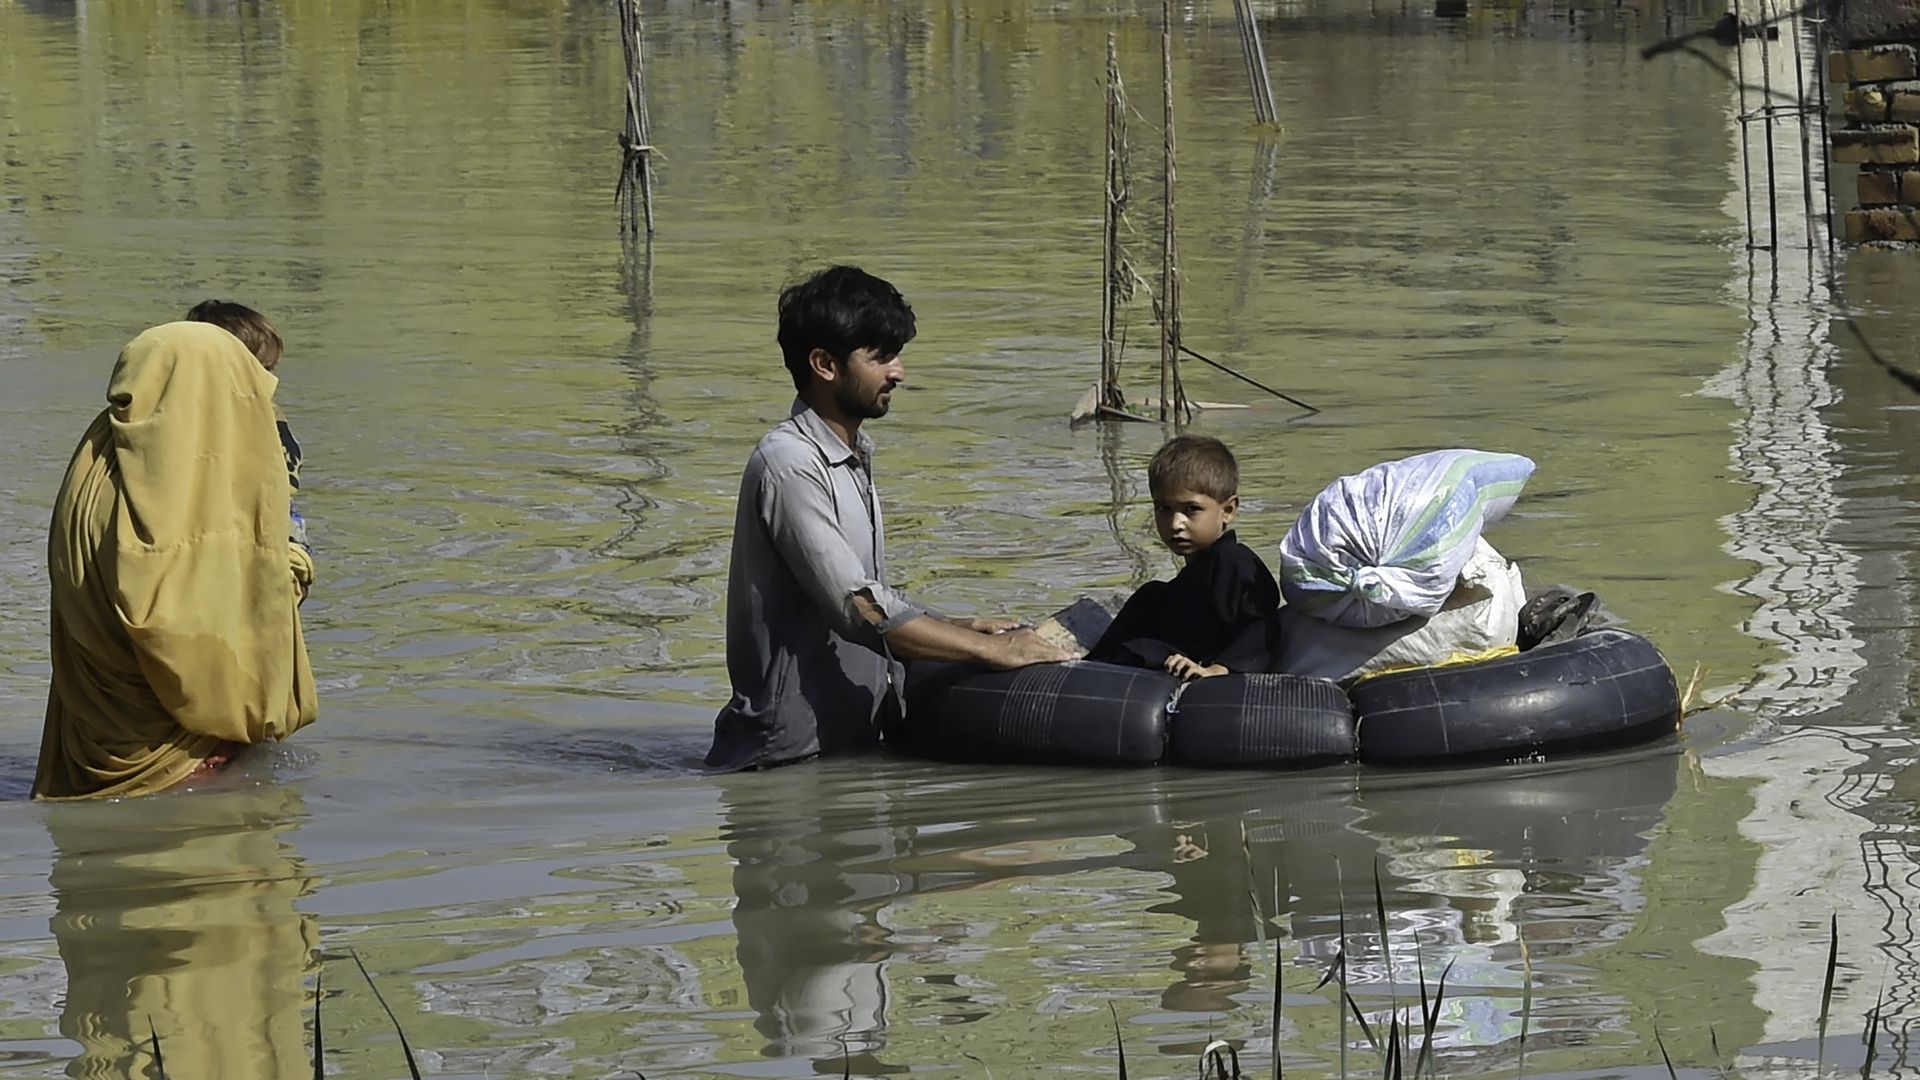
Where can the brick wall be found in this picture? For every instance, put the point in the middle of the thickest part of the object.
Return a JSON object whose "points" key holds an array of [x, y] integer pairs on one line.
{"points": [[1881, 103]]}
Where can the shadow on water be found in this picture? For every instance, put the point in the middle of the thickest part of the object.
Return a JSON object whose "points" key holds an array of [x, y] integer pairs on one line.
{"points": [[830, 871]]}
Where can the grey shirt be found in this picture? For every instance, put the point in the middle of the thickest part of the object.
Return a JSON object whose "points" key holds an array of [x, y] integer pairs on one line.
{"points": [[810, 675]]}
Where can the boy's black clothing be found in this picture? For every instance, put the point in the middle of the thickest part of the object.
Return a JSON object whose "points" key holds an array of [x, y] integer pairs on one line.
{"points": [[1222, 608]]}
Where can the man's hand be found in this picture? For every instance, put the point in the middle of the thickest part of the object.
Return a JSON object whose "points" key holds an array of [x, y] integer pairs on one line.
{"points": [[1019, 648], [987, 626], [930, 638], [300, 564], [1187, 670]]}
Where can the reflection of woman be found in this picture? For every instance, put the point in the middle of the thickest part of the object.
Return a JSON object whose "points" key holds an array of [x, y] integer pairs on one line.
{"points": [[176, 626], [183, 918]]}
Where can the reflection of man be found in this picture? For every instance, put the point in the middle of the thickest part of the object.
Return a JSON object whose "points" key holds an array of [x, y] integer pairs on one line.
{"points": [[814, 633], [813, 890]]}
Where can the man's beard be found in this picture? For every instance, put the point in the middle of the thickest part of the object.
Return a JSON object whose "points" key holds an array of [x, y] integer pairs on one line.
{"points": [[853, 404]]}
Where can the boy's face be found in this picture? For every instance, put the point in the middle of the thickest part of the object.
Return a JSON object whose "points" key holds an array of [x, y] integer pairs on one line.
{"points": [[1190, 522]]}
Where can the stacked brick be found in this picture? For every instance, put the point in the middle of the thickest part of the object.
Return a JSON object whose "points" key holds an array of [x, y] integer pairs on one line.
{"points": [[1882, 136]]}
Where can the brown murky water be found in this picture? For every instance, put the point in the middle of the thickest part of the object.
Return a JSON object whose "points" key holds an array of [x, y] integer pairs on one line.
{"points": [[1506, 231]]}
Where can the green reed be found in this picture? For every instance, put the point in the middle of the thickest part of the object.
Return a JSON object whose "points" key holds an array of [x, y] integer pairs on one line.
{"points": [[1221, 1058]]}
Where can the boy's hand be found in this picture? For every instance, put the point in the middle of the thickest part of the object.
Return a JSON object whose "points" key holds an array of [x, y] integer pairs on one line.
{"points": [[1187, 670]]}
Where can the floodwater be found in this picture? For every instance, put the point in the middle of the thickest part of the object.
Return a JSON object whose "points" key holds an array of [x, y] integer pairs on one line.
{"points": [[1507, 231]]}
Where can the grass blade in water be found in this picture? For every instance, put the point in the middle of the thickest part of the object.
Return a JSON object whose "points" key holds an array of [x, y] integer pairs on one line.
{"points": [[1713, 1040], [413, 1069], [1226, 1068], [1386, 940], [1873, 1032], [1429, 1020], [1337, 966], [1826, 992], [1526, 998], [1365, 1028], [1661, 1043], [1340, 898], [1119, 1047], [319, 1038], [1420, 968], [1253, 894], [159, 1065], [1279, 995], [1392, 1069]]}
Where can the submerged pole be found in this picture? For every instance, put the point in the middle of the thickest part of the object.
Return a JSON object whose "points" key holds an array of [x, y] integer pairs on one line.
{"points": [[1740, 85], [1110, 240], [1255, 56], [1806, 148], [1820, 78], [1766, 124], [1173, 398], [635, 192]]}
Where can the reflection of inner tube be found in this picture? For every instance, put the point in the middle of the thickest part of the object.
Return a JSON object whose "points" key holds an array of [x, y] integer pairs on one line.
{"points": [[1603, 689]]}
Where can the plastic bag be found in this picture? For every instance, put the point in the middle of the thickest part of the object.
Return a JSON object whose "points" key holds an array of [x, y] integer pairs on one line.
{"points": [[1389, 543], [1482, 614]]}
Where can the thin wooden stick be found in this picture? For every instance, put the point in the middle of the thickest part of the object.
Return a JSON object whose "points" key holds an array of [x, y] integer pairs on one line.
{"points": [[1173, 397], [1258, 80], [1110, 395], [1260, 55], [1256, 384], [1246, 58], [635, 193]]}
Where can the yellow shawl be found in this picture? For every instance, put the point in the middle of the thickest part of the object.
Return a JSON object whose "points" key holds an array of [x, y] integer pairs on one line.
{"points": [[176, 624]]}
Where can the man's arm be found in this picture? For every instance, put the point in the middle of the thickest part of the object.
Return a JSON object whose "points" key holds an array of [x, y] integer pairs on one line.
{"points": [[933, 638], [981, 624], [797, 510]]}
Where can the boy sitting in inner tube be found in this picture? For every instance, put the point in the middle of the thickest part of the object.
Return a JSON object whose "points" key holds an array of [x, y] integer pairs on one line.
{"points": [[1220, 613]]}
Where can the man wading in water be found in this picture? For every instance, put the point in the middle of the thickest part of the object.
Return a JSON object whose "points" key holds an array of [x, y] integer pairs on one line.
{"points": [[815, 636]]}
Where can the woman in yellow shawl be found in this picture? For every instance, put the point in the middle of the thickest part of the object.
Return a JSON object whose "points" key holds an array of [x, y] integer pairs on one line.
{"points": [[176, 591]]}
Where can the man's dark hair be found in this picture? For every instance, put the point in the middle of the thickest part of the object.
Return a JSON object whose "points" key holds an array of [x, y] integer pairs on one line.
{"points": [[251, 327], [841, 309], [1195, 463]]}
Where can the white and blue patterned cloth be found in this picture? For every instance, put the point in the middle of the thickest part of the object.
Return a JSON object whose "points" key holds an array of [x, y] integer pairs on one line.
{"points": [[1389, 543]]}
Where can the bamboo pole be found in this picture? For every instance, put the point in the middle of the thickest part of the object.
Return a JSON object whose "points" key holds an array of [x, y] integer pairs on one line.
{"points": [[1258, 79], [1806, 149], [1740, 82], [635, 193], [1826, 136], [1260, 57], [1173, 398], [1246, 58], [1110, 395], [1766, 123]]}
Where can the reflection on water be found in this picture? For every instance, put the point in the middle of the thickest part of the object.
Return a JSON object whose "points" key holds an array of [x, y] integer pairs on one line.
{"points": [[1506, 230], [860, 917], [1784, 446], [812, 947], [1837, 689], [180, 922]]}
